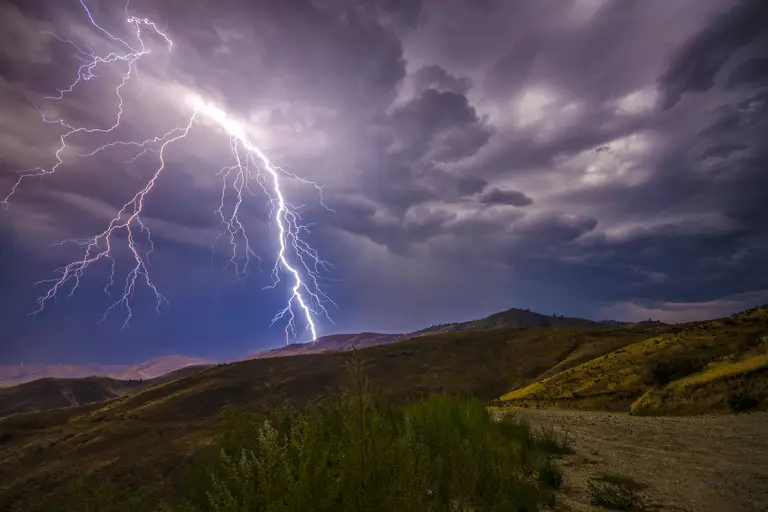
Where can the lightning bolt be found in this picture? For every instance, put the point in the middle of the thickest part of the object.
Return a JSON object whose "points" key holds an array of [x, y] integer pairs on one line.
{"points": [[295, 258]]}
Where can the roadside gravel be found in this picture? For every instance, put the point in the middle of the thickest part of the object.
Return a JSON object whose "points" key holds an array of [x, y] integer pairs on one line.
{"points": [[694, 463]]}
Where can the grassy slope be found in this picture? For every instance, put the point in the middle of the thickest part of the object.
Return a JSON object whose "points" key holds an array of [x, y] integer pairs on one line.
{"points": [[512, 318], [616, 380], [143, 438], [54, 393]]}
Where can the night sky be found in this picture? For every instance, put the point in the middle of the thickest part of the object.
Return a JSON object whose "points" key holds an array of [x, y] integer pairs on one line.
{"points": [[582, 157]]}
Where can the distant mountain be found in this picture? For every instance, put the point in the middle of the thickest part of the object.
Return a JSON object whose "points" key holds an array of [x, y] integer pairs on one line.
{"points": [[53, 393], [650, 323], [511, 318], [615, 323], [12, 375], [333, 342], [161, 366], [694, 368]]}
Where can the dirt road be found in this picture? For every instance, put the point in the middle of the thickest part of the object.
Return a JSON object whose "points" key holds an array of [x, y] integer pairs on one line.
{"points": [[703, 463]]}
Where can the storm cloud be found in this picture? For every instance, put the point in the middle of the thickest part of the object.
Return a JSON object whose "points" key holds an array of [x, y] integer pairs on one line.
{"points": [[584, 157]]}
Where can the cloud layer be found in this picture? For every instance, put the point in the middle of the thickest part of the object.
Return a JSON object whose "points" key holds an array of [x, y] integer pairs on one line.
{"points": [[582, 157]]}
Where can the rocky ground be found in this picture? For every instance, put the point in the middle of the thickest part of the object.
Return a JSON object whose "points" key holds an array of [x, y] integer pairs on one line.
{"points": [[701, 463]]}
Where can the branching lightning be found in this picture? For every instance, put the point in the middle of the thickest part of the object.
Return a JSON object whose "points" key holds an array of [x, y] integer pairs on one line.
{"points": [[295, 258]]}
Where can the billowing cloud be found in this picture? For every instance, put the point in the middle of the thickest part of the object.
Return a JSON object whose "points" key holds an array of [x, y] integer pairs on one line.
{"points": [[510, 197], [473, 156]]}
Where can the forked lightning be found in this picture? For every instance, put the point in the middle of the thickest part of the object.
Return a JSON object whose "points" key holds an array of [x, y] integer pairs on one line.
{"points": [[295, 258]]}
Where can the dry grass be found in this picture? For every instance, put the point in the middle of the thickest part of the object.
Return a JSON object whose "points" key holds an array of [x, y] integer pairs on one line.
{"points": [[732, 353], [711, 390], [145, 438]]}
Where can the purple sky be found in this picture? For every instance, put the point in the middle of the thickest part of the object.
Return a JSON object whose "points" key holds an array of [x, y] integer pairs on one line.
{"points": [[584, 157]]}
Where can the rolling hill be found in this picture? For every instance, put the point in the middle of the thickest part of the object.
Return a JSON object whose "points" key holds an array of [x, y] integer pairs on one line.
{"points": [[700, 367], [513, 318], [333, 342], [143, 438], [53, 393], [12, 375]]}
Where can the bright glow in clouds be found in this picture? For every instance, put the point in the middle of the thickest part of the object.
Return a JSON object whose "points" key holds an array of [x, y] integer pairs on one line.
{"points": [[295, 258]]}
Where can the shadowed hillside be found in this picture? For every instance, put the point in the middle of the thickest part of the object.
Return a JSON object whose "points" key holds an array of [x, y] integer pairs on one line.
{"points": [[52, 393], [333, 342], [144, 437], [12, 375], [513, 318], [720, 365]]}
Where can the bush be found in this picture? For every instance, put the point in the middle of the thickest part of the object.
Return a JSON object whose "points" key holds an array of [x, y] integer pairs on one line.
{"points": [[550, 441], [353, 451], [659, 372], [739, 401], [549, 474], [615, 492]]}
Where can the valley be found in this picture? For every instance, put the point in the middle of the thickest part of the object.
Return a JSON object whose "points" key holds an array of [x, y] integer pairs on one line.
{"points": [[144, 439]]}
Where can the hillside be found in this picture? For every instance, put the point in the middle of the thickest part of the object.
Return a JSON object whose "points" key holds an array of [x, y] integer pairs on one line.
{"points": [[513, 318], [333, 342], [12, 375], [144, 438], [53, 393], [712, 366]]}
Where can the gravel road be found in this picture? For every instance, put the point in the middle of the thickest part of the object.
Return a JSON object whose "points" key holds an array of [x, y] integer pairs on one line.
{"points": [[701, 463]]}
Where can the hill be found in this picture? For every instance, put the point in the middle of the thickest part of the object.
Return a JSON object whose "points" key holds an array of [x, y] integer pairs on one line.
{"points": [[53, 393], [162, 366], [711, 366], [12, 375], [333, 342], [144, 438], [513, 318]]}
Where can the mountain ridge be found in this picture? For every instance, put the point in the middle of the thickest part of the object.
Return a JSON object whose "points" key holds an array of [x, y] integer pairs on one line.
{"points": [[45, 451], [331, 342], [13, 375]]}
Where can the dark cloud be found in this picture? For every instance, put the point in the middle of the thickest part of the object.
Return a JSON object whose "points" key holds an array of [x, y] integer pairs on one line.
{"points": [[508, 197], [435, 77], [431, 127], [441, 124], [753, 72], [470, 185], [695, 66]]}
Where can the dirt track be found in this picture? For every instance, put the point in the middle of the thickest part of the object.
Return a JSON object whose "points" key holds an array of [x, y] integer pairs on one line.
{"points": [[703, 463]]}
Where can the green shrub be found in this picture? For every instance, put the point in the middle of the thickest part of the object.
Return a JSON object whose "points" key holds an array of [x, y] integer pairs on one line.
{"points": [[549, 474], [550, 441], [615, 492], [354, 451], [661, 371], [739, 401]]}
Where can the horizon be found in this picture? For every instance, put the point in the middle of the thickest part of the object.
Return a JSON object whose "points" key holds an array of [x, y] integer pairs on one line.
{"points": [[445, 158], [242, 357]]}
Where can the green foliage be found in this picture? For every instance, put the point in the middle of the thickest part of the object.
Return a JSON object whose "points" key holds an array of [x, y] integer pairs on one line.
{"points": [[616, 492], [550, 474], [550, 441], [355, 451], [153, 434], [661, 371], [739, 401], [99, 496]]}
